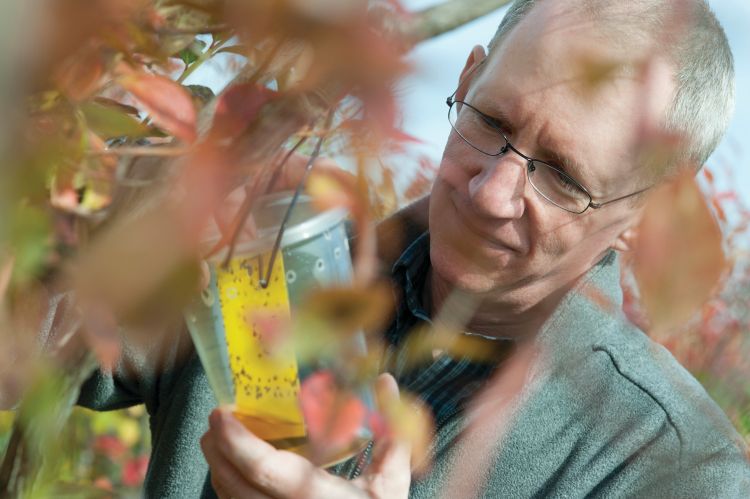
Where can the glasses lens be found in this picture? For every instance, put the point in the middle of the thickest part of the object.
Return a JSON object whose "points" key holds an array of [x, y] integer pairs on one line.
{"points": [[558, 187], [475, 129]]}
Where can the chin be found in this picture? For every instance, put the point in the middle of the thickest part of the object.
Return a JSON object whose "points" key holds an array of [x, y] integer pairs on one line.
{"points": [[465, 272]]}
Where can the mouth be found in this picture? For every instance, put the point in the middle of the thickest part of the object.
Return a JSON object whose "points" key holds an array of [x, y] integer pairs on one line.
{"points": [[467, 221]]}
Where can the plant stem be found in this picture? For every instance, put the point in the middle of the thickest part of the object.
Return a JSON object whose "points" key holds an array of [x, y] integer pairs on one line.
{"points": [[203, 57]]}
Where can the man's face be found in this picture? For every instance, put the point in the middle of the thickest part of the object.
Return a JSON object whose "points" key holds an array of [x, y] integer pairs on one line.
{"points": [[490, 231]]}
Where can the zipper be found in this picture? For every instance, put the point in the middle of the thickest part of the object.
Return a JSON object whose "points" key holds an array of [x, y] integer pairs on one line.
{"points": [[364, 456]]}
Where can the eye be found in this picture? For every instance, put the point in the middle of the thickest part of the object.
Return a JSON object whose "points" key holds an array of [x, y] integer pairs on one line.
{"points": [[566, 182], [492, 123]]}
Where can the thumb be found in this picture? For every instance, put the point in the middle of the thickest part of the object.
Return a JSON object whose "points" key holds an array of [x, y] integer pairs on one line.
{"points": [[390, 470]]}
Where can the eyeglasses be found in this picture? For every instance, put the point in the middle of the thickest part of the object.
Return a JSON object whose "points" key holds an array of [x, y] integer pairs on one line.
{"points": [[483, 133]]}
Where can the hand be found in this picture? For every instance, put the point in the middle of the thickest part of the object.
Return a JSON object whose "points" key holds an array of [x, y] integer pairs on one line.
{"points": [[244, 466]]}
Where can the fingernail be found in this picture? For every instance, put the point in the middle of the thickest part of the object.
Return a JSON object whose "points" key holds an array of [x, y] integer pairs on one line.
{"points": [[214, 418]]}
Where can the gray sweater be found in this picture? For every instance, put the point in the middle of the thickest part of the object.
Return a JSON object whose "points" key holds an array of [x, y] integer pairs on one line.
{"points": [[607, 413]]}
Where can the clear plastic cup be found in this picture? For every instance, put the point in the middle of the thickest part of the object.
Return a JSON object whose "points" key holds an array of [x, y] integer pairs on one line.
{"points": [[228, 323]]}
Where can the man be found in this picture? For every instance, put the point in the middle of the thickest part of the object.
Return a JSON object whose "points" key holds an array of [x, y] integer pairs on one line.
{"points": [[540, 184]]}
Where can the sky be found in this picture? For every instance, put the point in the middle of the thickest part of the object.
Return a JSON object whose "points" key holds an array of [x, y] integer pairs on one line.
{"points": [[438, 62]]}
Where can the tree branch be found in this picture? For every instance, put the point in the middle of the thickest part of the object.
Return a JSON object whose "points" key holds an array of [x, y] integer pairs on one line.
{"points": [[447, 16]]}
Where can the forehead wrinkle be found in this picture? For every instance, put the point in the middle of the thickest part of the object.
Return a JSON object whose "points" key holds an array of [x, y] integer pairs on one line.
{"points": [[554, 150]]}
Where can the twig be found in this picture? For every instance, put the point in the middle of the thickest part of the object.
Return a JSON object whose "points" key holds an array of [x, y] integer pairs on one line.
{"points": [[246, 208], [203, 57], [316, 152], [279, 169], [202, 30], [447, 16], [141, 151]]}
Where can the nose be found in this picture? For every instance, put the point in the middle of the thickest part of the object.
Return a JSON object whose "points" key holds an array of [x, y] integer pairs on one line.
{"points": [[497, 190]]}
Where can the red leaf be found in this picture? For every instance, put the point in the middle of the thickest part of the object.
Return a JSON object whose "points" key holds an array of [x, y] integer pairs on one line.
{"points": [[719, 210], [80, 76], [134, 471], [238, 107], [679, 258], [110, 446], [332, 415], [168, 104], [708, 174]]}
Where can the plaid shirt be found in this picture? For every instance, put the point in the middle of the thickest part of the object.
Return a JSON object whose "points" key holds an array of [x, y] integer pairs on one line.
{"points": [[444, 383]]}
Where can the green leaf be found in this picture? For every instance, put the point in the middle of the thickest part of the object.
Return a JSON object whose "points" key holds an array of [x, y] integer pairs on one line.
{"points": [[191, 53], [109, 122], [30, 231]]}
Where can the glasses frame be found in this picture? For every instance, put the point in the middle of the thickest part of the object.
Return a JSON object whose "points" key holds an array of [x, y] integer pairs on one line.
{"points": [[451, 101]]}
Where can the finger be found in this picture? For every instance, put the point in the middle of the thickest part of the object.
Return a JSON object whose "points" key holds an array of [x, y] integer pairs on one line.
{"points": [[226, 479], [386, 390], [223, 493], [389, 474], [276, 473]]}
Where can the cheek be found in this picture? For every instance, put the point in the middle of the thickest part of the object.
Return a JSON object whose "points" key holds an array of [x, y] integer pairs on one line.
{"points": [[455, 169], [556, 233]]}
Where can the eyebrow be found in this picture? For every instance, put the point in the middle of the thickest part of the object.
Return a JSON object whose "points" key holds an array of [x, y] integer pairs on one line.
{"points": [[568, 164], [495, 113]]}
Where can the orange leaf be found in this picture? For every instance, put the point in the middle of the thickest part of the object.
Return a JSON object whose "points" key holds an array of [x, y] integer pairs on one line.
{"points": [[168, 104], [679, 257], [407, 419], [351, 308], [332, 415], [237, 108]]}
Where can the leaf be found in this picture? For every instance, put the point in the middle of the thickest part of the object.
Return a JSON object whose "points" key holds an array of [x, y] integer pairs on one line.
{"points": [[679, 259], [30, 228], [406, 419], [333, 415], [168, 104], [80, 76], [708, 174], [106, 101], [202, 95], [334, 188], [238, 107], [190, 54], [6, 271], [102, 334], [134, 471], [109, 122], [350, 309], [234, 49]]}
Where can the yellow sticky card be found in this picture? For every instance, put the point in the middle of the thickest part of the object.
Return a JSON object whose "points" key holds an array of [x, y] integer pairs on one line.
{"points": [[266, 382]]}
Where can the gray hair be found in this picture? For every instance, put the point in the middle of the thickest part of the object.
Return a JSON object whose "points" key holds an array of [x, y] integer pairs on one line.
{"points": [[704, 69]]}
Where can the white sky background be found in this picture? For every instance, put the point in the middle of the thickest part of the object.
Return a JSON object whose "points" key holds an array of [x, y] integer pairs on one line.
{"points": [[439, 61]]}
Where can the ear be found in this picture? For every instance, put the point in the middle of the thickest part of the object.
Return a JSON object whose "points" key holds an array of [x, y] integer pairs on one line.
{"points": [[476, 56], [626, 240]]}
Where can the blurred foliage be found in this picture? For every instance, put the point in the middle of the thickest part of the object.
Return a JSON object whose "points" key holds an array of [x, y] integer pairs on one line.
{"points": [[113, 168], [106, 451]]}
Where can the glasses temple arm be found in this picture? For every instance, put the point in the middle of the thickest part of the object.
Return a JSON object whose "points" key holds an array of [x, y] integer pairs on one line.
{"points": [[594, 205]]}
